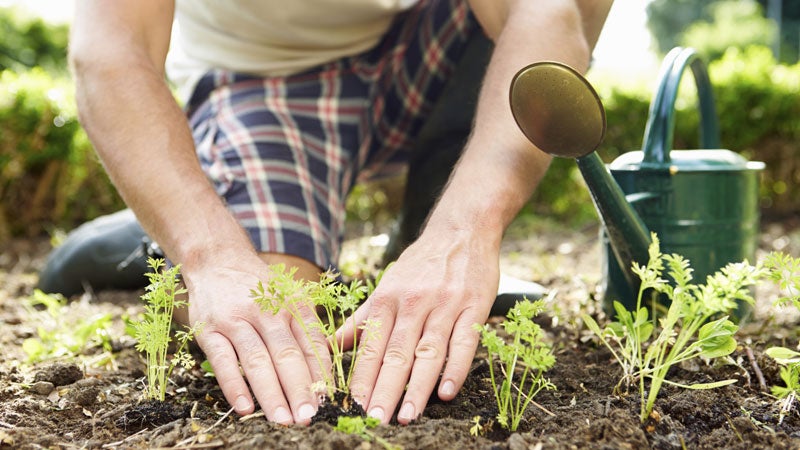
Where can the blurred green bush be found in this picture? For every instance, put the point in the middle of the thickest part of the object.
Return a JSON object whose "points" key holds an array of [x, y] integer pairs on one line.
{"points": [[758, 101], [49, 174], [29, 42]]}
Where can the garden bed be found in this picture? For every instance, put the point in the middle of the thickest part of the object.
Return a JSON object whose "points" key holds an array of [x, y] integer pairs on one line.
{"points": [[91, 402]]}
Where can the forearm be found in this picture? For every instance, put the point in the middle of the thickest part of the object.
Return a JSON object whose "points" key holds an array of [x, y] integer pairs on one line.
{"points": [[500, 168], [143, 140]]}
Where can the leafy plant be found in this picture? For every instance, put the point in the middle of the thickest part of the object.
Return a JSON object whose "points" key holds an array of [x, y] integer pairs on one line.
{"points": [[153, 333], [790, 374], [60, 334], [525, 359], [336, 300], [361, 426], [685, 332], [785, 270]]}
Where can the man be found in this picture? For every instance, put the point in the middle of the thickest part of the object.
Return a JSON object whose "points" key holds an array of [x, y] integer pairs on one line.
{"points": [[288, 102]]}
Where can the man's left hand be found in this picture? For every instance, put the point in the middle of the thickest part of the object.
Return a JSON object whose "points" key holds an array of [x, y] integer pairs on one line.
{"points": [[425, 305]]}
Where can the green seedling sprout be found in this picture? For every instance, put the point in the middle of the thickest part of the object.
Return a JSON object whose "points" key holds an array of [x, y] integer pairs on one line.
{"points": [[647, 352], [361, 426], [524, 359], [153, 332], [59, 335], [477, 429], [785, 271], [336, 301]]}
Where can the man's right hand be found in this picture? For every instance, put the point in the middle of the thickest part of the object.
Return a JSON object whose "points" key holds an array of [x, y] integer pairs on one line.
{"points": [[276, 357], [117, 54]]}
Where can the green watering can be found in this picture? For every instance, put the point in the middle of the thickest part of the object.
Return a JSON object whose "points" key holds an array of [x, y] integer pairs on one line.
{"points": [[703, 204]]}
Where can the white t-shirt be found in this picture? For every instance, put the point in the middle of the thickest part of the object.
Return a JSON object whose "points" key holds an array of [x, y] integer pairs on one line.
{"points": [[272, 37]]}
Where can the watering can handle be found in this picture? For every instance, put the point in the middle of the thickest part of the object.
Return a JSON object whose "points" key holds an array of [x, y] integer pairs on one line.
{"points": [[661, 120]]}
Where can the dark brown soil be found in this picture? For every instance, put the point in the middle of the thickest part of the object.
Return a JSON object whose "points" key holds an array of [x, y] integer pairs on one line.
{"points": [[94, 402]]}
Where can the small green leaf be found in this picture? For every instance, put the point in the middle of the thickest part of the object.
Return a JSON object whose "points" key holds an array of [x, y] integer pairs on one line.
{"points": [[645, 330], [623, 315], [34, 348], [722, 347], [372, 422], [783, 355], [592, 324], [716, 338], [205, 366]]}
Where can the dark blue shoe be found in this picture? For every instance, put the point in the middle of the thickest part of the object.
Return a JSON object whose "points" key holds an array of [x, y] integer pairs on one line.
{"points": [[105, 253]]}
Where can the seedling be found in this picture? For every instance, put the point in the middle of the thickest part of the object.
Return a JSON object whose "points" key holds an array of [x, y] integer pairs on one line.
{"points": [[790, 374], [685, 332], [477, 429], [361, 426], [59, 334], [153, 332], [208, 371], [785, 271], [337, 301], [525, 359]]}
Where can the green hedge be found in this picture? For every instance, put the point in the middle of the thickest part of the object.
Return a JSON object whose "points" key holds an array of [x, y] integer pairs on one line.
{"points": [[28, 41], [49, 174], [758, 105]]}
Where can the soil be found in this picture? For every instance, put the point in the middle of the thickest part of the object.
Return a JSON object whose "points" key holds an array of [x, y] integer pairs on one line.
{"points": [[93, 401]]}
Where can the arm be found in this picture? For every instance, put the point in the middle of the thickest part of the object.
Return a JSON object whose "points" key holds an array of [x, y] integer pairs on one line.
{"points": [[117, 54], [497, 153], [446, 281]]}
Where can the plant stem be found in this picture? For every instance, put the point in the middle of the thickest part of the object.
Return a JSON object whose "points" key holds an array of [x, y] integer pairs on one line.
{"points": [[307, 332]]}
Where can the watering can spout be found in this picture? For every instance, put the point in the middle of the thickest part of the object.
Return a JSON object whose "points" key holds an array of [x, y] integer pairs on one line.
{"points": [[559, 112]]}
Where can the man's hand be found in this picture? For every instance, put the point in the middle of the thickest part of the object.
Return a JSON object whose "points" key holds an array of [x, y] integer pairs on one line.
{"points": [[276, 357], [446, 281], [426, 305], [117, 53]]}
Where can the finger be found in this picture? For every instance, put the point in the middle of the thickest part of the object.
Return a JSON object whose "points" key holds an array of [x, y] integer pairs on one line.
{"points": [[315, 350], [258, 367], [370, 352], [394, 372], [291, 367], [429, 356], [463, 343], [222, 357], [349, 331]]}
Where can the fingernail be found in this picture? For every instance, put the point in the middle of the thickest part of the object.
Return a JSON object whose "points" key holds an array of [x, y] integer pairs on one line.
{"points": [[407, 412], [242, 404], [305, 412], [376, 413], [282, 415], [448, 388]]}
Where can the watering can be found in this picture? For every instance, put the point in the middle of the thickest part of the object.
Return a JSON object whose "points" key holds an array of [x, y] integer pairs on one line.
{"points": [[702, 204]]}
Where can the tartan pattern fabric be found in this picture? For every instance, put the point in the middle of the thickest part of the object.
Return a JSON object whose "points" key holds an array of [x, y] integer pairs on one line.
{"points": [[283, 152]]}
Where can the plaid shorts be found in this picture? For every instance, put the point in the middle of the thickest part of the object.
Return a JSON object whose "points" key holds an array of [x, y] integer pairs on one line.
{"points": [[283, 152]]}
